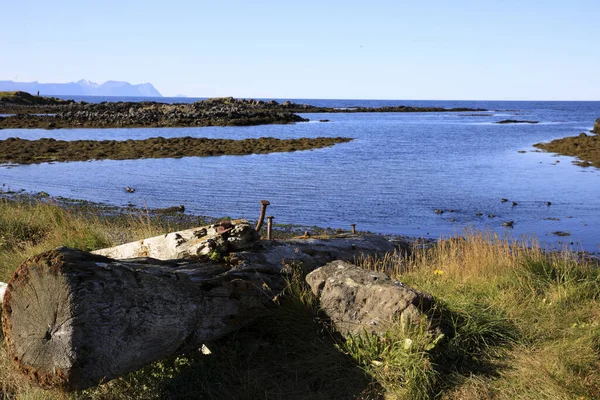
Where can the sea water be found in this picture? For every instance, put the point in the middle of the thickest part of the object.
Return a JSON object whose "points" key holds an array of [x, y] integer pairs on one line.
{"points": [[399, 168]]}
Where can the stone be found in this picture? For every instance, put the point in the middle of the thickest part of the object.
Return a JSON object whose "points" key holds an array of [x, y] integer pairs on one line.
{"points": [[357, 300], [597, 126]]}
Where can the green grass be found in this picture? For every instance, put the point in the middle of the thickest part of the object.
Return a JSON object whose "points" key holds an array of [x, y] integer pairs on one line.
{"points": [[510, 321], [521, 323]]}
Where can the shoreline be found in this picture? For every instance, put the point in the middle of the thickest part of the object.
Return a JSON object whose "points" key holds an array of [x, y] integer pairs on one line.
{"points": [[586, 148], [178, 217]]}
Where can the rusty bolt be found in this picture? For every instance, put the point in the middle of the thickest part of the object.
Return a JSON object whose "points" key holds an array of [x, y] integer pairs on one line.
{"points": [[269, 226], [263, 210]]}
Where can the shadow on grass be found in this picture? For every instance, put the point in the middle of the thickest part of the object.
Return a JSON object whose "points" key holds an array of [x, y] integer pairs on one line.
{"points": [[287, 353], [268, 361], [477, 336]]}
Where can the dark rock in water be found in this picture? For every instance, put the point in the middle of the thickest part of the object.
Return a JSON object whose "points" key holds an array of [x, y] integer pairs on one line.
{"points": [[548, 203], [491, 216], [503, 200], [515, 121], [170, 210], [508, 224], [323, 120], [561, 233], [479, 214], [514, 203], [438, 211]]}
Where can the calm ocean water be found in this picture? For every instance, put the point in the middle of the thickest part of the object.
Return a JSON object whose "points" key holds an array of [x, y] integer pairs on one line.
{"points": [[399, 168]]}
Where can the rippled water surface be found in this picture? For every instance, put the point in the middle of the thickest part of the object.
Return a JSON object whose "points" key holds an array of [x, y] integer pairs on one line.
{"points": [[399, 168]]}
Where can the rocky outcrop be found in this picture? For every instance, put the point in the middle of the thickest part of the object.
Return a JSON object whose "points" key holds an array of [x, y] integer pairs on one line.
{"points": [[597, 127], [582, 146], [515, 121], [357, 300], [211, 112], [18, 98], [219, 112]]}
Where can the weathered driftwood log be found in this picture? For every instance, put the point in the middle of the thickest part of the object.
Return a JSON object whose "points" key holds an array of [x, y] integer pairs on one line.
{"points": [[73, 319], [2, 290], [213, 239]]}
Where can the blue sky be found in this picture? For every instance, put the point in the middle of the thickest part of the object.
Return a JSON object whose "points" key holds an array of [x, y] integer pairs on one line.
{"points": [[505, 50]]}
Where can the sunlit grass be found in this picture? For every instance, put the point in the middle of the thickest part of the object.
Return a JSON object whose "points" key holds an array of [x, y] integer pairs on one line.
{"points": [[523, 322]]}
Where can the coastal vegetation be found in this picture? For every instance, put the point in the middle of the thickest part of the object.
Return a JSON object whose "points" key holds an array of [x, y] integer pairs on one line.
{"points": [[518, 322], [22, 151], [585, 147]]}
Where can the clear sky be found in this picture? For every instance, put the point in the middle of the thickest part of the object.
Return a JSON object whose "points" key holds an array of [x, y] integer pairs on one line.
{"points": [[505, 50]]}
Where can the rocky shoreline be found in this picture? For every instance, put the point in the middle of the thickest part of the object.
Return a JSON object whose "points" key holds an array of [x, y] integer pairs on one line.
{"points": [[22, 151], [583, 146], [49, 113], [177, 217]]}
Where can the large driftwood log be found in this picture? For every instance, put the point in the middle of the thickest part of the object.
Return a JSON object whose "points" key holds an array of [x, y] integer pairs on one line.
{"points": [[73, 319]]}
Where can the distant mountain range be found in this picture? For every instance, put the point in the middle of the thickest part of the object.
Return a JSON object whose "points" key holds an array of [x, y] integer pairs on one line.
{"points": [[83, 88]]}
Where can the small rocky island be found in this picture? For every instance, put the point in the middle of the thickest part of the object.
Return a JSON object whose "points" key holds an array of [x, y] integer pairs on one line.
{"points": [[51, 113], [516, 121], [585, 147], [21, 151]]}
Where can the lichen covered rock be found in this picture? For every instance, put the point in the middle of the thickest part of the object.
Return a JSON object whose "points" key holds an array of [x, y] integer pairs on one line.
{"points": [[357, 300]]}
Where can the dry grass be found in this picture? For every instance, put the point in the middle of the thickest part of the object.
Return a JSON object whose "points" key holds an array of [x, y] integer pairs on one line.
{"points": [[526, 321]]}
